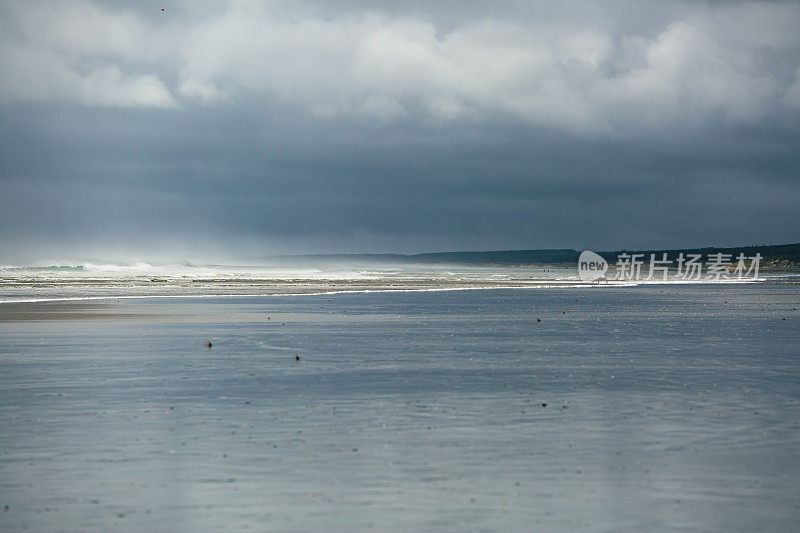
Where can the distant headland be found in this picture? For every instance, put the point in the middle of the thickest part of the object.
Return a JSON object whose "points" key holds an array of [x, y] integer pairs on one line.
{"points": [[780, 257]]}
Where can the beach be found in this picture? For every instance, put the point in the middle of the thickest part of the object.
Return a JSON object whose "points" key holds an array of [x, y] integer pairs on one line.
{"points": [[435, 267], [646, 408]]}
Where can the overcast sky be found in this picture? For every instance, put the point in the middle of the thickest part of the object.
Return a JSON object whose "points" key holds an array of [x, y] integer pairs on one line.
{"points": [[248, 128]]}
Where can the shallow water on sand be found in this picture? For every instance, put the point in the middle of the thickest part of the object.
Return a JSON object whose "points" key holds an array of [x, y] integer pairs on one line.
{"points": [[625, 409]]}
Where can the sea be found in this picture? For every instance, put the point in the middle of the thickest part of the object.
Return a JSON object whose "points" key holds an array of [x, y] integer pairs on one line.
{"points": [[395, 398]]}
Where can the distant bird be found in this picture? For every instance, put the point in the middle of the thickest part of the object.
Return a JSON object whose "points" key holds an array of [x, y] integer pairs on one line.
{"points": [[162, 9]]}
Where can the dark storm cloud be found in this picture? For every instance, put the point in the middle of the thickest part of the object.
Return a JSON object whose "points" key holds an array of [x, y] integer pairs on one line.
{"points": [[252, 128]]}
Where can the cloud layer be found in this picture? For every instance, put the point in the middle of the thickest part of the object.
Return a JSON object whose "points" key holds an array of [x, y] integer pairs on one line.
{"points": [[309, 126], [730, 61]]}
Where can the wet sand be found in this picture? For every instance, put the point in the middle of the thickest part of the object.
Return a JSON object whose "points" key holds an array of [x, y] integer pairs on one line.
{"points": [[627, 409], [32, 311]]}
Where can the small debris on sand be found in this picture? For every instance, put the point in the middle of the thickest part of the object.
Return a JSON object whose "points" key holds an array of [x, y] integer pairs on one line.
{"points": [[296, 357], [544, 405], [538, 320], [209, 344]]}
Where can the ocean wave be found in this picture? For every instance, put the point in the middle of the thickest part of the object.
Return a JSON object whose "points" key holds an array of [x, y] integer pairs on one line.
{"points": [[49, 268], [63, 290]]}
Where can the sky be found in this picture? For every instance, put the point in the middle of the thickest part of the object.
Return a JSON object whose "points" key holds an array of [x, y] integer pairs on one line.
{"points": [[199, 129]]}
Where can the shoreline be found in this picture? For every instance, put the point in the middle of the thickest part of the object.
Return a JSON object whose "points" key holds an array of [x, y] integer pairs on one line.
{"points": [[226, 403], [559, 284]]}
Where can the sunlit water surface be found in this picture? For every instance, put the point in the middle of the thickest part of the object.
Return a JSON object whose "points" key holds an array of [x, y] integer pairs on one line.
{"points": [[644, 408]]}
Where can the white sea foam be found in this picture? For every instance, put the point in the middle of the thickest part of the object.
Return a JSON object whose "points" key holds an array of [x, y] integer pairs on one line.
{"points": [[138, 279]]}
